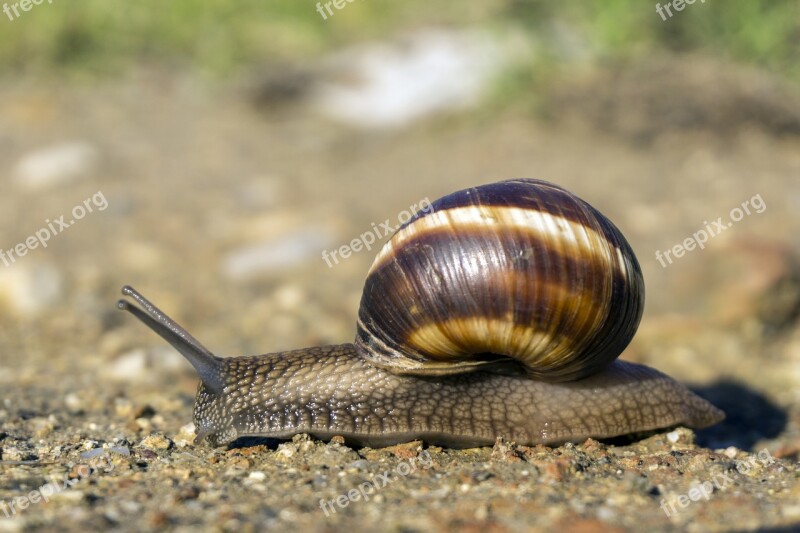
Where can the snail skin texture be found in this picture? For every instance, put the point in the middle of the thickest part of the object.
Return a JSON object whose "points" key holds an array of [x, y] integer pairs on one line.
{"points": [[498, 312]]}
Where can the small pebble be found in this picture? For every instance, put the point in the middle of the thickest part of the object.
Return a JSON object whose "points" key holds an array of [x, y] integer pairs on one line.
{"points": [[73, 402], [123, 407], [289, 297], [121, 450], [731, 452], [141, 364], [29, 288], [130, 507], [11, 525], [71, 497], [91, 454], [156, 442], [482, 512], [288, 250], [185, 436], [257, 476], [606, 514], [286, 451], [360, 464], [56, 164], [130, 366], [148, 454]]}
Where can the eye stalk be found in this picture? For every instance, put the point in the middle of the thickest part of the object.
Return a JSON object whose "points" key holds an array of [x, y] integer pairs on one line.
{"points": [[202, 359]]}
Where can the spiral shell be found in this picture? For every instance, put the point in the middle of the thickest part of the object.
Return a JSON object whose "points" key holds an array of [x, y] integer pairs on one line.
{"points": [[519, 272]]}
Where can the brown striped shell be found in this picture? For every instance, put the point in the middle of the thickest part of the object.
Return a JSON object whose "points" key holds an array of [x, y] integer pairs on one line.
{"points": [[519, 272]]}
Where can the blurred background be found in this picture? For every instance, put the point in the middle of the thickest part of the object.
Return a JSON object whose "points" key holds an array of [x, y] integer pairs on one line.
{"points": [[209, 154]]}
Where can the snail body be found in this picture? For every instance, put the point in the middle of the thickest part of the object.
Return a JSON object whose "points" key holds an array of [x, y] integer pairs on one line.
{"points": [[498, 311]]}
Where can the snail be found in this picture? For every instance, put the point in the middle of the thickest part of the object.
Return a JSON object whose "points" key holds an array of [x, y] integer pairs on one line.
{"points": [[499, 311]]}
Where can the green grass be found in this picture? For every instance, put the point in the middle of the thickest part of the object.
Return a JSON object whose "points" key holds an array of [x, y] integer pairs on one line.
{"points": [[105, 37], [765, 32]]}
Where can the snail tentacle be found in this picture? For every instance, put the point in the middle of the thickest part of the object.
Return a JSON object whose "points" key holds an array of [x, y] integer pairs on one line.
{"points": [[207, 365]]}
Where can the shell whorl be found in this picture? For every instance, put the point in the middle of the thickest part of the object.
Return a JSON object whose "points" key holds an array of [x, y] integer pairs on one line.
{"points": [[516, 271]]}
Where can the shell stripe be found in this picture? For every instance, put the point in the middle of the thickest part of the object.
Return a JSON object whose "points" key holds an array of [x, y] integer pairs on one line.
{"points": [[587, 241], [524, 194]]}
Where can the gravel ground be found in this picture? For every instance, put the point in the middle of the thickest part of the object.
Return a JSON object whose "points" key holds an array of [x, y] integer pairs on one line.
{"points": [[218, 210]]}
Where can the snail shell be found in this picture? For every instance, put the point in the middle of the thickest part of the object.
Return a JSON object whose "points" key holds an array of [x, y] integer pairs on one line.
{"points": [[519, 270]]}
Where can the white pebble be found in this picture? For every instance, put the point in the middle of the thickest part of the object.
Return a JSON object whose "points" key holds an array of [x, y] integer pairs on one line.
{"points": [[289, 296], [91, 454], [28, 288], [56, 164], [71, 497], [606, 514], [731, 451], [283, 252], [130, 366], [155, 442], [286, 450], [130, 506], [257, 476], [11, 525], [400, 82], [185, 436], [287, 515], [121, 450], [140, 364], [73, 402]]}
